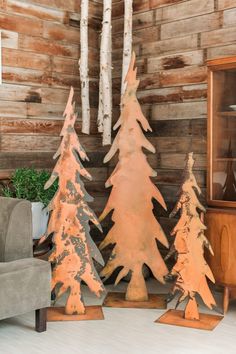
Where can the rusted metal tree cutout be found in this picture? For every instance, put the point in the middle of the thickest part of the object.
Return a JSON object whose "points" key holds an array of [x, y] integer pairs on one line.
{"points": [[191, 269], [135, 228], [73, 252]]}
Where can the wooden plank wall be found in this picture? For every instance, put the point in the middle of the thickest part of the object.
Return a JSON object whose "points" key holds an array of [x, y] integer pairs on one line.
{"points": [[172, 40], [40, 40]]}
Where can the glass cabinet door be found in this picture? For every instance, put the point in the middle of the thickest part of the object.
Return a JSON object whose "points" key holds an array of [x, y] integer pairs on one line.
{"points": [[222, 137]]}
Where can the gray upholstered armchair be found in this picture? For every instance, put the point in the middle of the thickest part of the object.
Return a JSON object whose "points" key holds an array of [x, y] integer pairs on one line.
{"points": [[24, 280]]}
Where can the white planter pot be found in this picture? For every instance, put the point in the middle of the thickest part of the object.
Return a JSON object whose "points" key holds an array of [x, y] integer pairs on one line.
{"points": [[39, 219]]}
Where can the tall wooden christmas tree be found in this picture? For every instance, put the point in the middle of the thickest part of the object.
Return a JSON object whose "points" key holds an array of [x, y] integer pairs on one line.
{"points": [[135, 231], [73, 252], [191, 270]]}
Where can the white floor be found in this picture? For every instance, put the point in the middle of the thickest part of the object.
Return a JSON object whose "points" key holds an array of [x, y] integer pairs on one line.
{"points": [[123, 331]]}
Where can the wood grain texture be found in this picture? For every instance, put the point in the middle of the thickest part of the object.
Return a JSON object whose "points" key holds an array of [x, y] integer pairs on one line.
{"points": [[14, 23], [187, 26], [40, 41], [9, 39], [35, 11], [220, 232], [172, 71], [183, 10], [225, 4]]}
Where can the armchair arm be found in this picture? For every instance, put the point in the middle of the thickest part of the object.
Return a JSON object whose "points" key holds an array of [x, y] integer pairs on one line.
{"points": [[15, 229]]}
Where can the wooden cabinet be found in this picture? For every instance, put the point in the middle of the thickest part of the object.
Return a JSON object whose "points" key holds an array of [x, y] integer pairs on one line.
{"points": [[221, 187], [221, 232], [222, 236], [221, 173]]}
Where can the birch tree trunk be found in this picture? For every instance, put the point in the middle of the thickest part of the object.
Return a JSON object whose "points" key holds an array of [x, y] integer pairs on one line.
{"points": [[84, 78], [0, 57], [127, 47], [105, 84], [100, 102]]}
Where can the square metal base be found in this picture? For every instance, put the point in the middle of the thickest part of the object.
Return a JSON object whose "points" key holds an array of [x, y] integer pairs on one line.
{"points": [[155, 301], [176, 317], [58, 314]]}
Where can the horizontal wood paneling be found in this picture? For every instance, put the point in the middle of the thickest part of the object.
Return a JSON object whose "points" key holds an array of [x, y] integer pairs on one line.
{"points": [[172, 40], [173, 94], [175, 45], [36, 11], [21, 24], [181, 28], [40, 40], [9, 39], [185, 110], [179, 60], [225, 4], [27, 142], [44, 46]]}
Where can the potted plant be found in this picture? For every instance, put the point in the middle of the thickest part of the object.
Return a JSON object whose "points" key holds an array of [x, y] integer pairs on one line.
{"points": [[28, 183]]}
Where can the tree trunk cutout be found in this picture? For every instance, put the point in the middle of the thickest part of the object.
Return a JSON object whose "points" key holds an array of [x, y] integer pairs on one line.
{"points": [[84, 78], [191, 270], [135, 228], [73, 249], [105, 82]]}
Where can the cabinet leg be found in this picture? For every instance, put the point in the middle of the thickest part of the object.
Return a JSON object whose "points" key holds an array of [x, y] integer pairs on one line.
{"points": [[226, 299], [41, 320]]}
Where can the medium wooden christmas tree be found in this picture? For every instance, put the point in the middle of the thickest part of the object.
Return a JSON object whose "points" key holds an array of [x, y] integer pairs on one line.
{"points": [[135, 231], [73, 252], [191, 270]]}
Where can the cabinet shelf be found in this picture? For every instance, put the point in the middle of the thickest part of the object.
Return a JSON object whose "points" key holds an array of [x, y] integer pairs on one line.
{"points": [[227, 114], [223, 159]]}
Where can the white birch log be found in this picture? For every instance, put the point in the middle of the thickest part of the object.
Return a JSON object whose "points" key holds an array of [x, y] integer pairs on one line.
{"points": [[84, 78], [110, 66], [0, 58], [127, 46], [107, 120], [105, 84], [100, 102]]}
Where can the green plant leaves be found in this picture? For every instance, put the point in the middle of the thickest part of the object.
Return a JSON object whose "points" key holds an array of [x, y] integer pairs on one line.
{"points": [[28, 183]]}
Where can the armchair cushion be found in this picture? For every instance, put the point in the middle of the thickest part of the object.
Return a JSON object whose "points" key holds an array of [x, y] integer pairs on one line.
{"points": [[25, 286]]}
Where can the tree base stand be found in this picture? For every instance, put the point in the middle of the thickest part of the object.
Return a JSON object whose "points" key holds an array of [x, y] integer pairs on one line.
{"points": [[176, 317], [58, 314], [116, 299]]}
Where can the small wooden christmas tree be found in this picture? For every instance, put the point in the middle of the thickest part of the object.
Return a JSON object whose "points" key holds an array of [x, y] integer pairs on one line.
{"points": [[135, 231], [73, 252], [191, 270]]}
